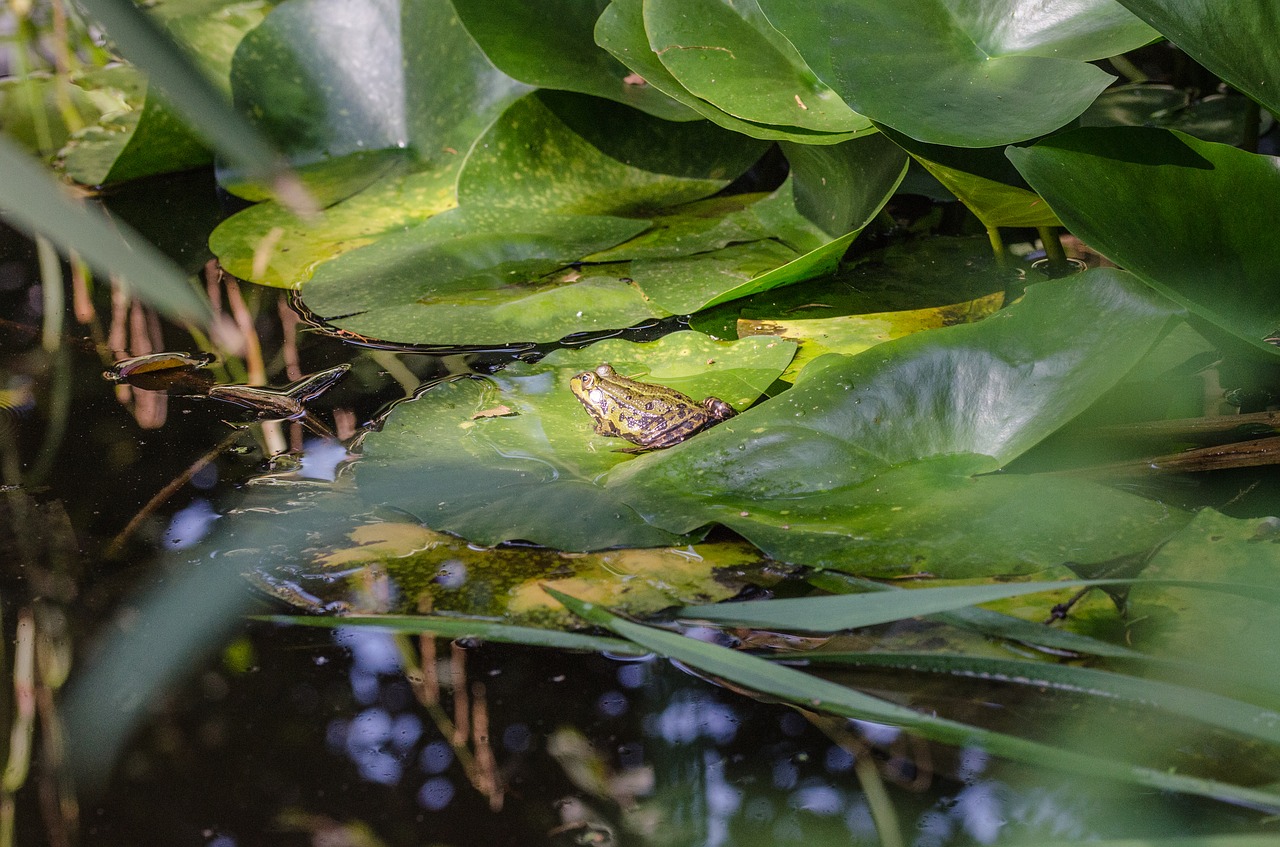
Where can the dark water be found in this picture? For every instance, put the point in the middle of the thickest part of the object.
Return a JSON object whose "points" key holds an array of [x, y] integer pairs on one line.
{"points": [[271, 734]]}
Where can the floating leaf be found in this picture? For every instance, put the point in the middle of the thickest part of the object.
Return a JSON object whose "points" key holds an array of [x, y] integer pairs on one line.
{"points": [[269, 245], [1191, 218], [968, 75], [561, 152], [982, 179], [852, 334], [869, 463], [621, 31], [732, 57], [535, 475], [474, 277], [551, 44]]}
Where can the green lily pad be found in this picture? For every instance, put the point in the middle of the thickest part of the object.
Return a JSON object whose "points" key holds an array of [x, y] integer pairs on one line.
{"points": [[447, 93], [621, 31], [1246, 59], [446, 574], [501, 276], [968, 75], [841, 187], [146, 137], [474, 278], [328, 78], [1191, 218], [850, 467], [564, 152], [531, 470], [732, 57], [551, 44], [30, 108], [270, 245], [983, 180]]}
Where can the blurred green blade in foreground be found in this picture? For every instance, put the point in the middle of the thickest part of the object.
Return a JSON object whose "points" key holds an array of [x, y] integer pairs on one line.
{"points": [[34, 202]]}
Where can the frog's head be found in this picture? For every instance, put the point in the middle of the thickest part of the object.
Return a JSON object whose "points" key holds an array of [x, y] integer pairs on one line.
{"points": [[584, 384]]}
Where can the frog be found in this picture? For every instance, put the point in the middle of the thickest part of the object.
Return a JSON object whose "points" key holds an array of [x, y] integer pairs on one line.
{"points": [[650, 416]]}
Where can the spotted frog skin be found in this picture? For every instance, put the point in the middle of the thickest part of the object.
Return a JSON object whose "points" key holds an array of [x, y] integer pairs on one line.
{"points": [[649, 416]]}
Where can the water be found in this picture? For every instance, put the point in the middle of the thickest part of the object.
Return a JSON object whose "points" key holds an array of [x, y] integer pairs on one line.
{"points": [[275, 734]]}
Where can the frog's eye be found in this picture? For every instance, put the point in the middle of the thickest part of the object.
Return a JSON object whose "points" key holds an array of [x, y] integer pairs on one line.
{"points": [[595, 395], [587, 380], [604, 370]]}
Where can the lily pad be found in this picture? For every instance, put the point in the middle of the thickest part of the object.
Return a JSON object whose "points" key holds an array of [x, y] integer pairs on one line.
{"points": [[468, 277], [1245, 59], [445, 94], [621, 31], [270, 245], [504, 275], [431, 570], [983, 180], [329, 77], [1191, 218], [866, 463], [146, 137], [551, 44], [964, 74], [535, 474], [732, 57], [563, 152], [841, 187]]}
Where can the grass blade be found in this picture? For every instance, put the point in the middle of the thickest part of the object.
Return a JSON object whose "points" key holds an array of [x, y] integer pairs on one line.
{"points": [[850, 611], [810, 692], [457, 627], [34, 202], [1212, 709], [987, 622]]}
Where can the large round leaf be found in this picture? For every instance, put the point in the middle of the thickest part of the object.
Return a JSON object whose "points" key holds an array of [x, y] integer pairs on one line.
{"points": [[475, 277], [514, 456], [621, 31], [975, 74], [983, 180], [556, 151], [841, 187], [328, 77], [721, 56], [1194, 219], [146, 137], [1234, 40], [444, 93], [551, 44], [867, 463]]}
